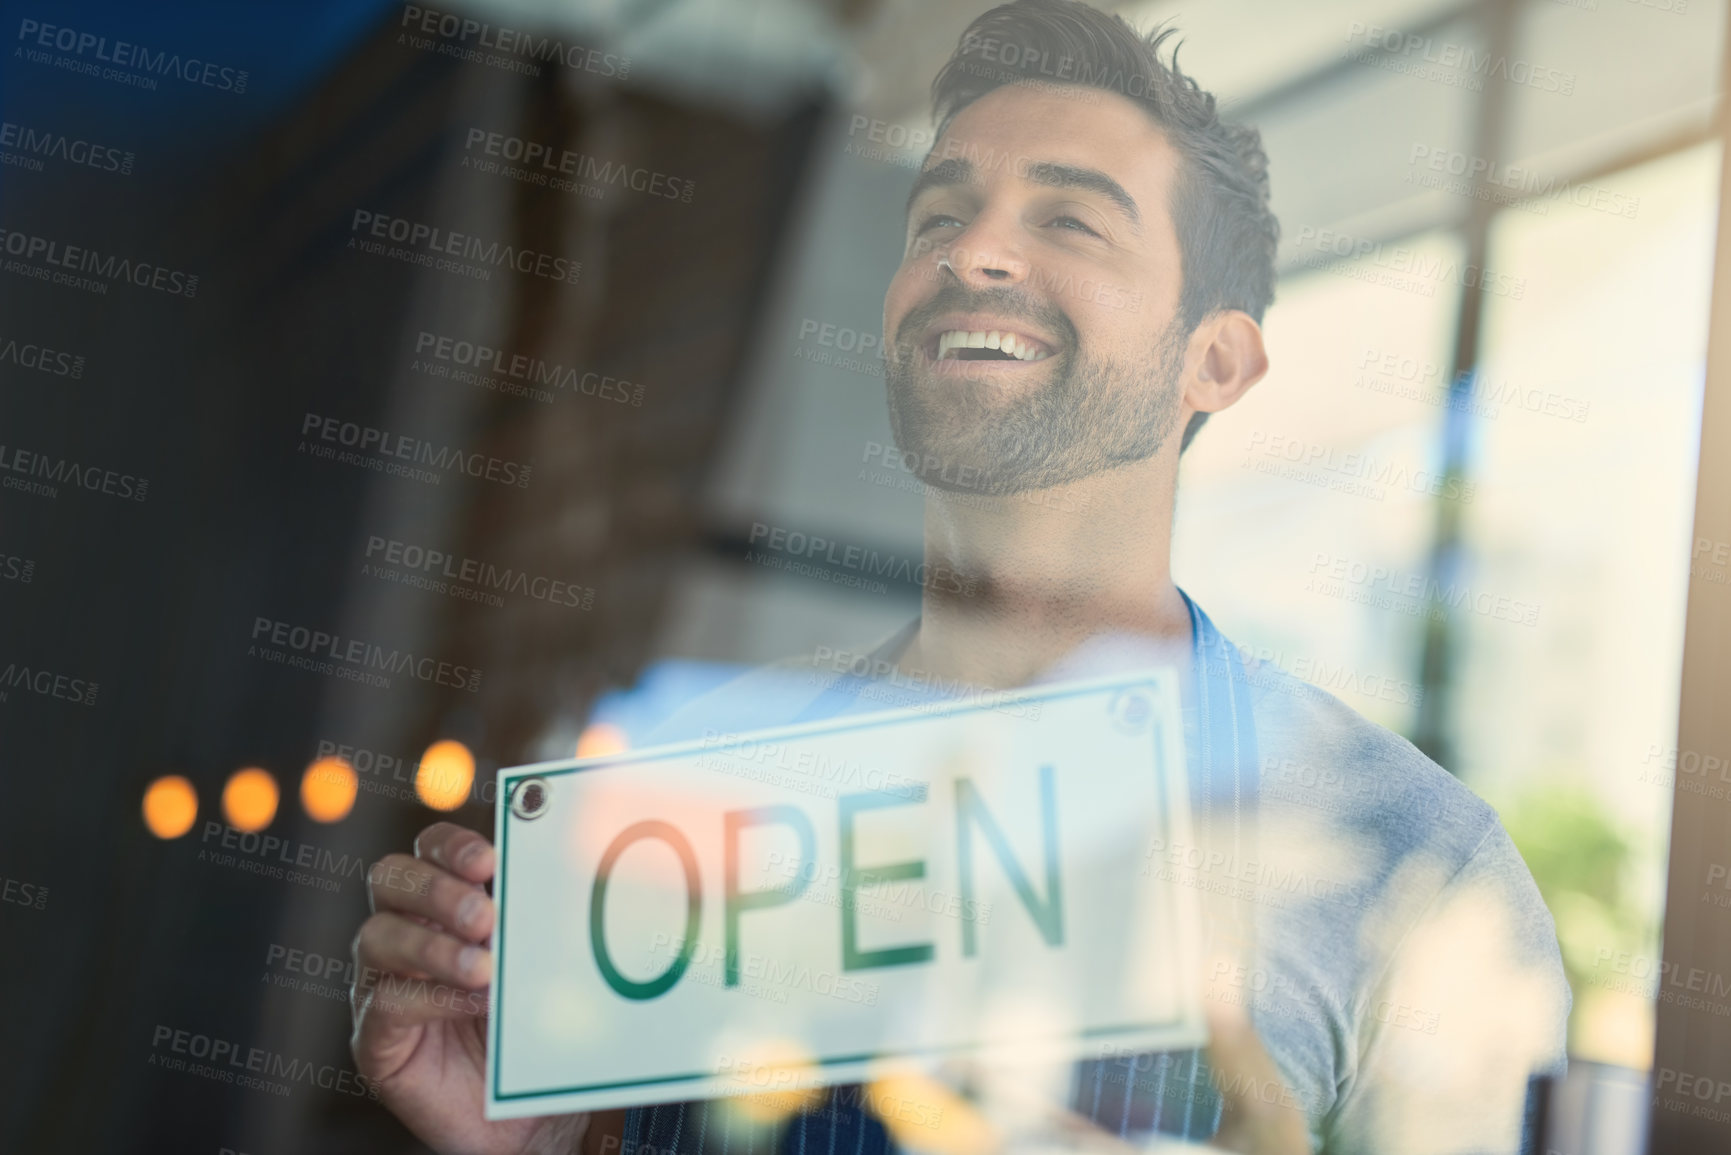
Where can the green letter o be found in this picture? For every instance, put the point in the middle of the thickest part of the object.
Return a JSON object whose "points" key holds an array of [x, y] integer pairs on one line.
{"points": [[663, 982]]}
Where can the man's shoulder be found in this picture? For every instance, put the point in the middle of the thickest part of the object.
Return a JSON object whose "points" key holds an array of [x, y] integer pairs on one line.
{"points": [[1410, 841], [1317, 751]]}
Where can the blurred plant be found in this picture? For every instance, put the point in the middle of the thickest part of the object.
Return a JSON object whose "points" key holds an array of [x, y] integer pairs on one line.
{"points": [[1589, 869]]}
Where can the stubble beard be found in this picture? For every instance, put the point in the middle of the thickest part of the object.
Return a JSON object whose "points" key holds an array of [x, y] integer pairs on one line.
{"points": [[1093, 415]]}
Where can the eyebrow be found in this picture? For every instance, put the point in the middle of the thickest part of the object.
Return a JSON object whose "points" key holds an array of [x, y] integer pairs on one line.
{"points": [[944, 174], [957, 171], [1088, 180]]}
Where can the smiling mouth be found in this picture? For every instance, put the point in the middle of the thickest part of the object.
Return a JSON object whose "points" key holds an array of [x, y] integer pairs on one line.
{"points": [[986, 345]]}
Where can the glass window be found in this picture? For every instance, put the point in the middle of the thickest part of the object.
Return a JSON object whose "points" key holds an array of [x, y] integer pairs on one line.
{"points": [[1589, 402], [1298, 505]]}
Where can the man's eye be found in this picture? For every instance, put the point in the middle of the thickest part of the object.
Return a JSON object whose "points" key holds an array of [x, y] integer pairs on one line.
{"points": [[1068, 222], [937, 220]]}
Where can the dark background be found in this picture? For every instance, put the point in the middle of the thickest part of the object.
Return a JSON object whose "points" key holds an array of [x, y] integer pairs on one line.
{"points": [[205, 397]]}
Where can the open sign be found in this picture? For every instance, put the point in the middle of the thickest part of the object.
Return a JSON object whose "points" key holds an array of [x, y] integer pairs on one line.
{"points": [[828, 899]]}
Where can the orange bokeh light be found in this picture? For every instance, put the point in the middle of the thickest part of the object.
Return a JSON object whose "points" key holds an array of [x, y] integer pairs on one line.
{"points": [[600, 739], [328, 789], [446, 773], [777, 1064], [947, 1123], [170, 806], [249, 799]]}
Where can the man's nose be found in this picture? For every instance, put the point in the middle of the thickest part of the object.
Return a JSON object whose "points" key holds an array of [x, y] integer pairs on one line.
{"points": [[986, 253]]}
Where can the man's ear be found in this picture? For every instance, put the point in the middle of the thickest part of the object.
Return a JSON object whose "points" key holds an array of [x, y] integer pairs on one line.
{"points": [[1228, 358]]}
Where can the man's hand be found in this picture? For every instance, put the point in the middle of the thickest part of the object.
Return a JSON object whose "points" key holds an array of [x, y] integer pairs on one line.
{"points": [[419, 998]]}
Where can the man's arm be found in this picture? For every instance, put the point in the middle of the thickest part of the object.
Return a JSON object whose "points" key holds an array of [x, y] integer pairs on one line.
{"points": [[1472, 1004]]}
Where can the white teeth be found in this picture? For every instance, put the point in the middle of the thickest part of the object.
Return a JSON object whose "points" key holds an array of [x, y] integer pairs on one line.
{"points": [[1018, 347]]}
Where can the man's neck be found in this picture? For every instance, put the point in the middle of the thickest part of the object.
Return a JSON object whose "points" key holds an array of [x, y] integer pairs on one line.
{"points": [[1015, 583]]}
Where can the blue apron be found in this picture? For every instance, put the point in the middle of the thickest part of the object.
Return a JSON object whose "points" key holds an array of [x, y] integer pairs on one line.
{"points": [[1171, 1093]]}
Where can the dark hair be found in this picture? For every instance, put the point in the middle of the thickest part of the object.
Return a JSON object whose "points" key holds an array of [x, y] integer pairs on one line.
{"points": [[1226, 231]]}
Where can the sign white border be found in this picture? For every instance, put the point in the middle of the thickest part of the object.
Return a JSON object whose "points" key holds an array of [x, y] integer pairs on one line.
{"points": [[1188, 1029]]}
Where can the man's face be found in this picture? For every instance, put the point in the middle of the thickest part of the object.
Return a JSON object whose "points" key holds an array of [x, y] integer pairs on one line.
{"points": [[1045, 217]]}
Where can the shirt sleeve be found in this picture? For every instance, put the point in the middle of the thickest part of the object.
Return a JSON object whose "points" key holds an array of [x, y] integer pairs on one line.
{"points": [[1472, 1004]]}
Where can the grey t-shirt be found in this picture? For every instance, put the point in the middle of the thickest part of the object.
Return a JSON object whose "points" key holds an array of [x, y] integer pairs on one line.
{"points": [[1407, 980], [1393, 952]]}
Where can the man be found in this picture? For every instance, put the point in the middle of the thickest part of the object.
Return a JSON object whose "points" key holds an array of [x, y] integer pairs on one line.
{"points": [[1085, 269]]}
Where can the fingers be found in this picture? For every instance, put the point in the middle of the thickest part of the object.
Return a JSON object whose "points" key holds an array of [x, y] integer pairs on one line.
{"points": [[398, 1004], [391, 1020], [408, 974], [458, 849], [399, 884], [418, 959], [441, 883], [391, 943]]}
